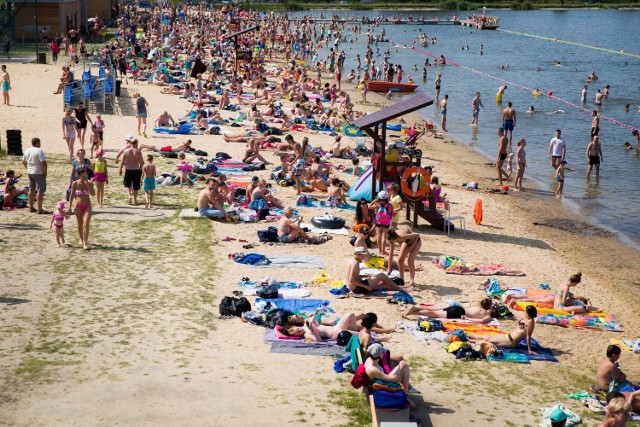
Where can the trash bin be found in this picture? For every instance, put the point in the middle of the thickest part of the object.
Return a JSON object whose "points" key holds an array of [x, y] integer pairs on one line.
{"points": [[118, 85], [42, 58], [14, 142]]}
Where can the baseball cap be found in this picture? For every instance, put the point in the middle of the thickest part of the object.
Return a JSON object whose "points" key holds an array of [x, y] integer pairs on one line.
{"points": [[128, 138], [399, 144], [382, 195], [375, 350], [557, 416], [359, 250]]}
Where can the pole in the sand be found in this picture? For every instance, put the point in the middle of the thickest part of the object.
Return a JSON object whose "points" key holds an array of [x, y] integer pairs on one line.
{"points": [[37, 44]]}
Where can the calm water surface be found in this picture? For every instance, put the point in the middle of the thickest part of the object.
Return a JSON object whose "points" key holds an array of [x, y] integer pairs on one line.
{"points": [[613, 201]]}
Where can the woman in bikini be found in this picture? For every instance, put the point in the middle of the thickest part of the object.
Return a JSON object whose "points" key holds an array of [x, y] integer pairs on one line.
{"points": [[82, 116], [69, 131], [513, 338], [81, 191], [253, 152], [410, 244]]}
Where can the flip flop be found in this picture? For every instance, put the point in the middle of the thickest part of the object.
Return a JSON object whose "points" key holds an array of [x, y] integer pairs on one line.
{"points": [[243, 241], [227, 239]]}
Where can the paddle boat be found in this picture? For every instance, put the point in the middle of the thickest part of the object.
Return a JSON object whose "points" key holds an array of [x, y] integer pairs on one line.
{"points": [[383, 86]]}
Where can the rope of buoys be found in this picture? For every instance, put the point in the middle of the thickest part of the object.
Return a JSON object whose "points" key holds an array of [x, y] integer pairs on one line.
{"points": [[549, 95], [553, 39]]}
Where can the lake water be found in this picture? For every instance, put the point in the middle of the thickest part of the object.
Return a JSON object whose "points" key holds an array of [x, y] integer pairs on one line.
{"points": [[613, 201]]}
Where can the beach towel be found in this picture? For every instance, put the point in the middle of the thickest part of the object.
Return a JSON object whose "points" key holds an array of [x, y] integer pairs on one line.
{"points": [[253, 259], [282, 293], [297, 347], [323, 205], [353, 346], [471, 328], [271, 337], [298, 305], [509, 357], [280, 285], [572, 419], [581, 321], [313, 229], [293, 261], [455, 265]]}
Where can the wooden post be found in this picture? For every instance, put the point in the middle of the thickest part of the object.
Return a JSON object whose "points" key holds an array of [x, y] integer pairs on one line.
{"points": [[383, 164]]}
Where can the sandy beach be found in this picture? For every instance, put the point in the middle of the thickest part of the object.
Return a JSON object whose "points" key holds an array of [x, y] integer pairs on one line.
{"points": [[128, 333]]}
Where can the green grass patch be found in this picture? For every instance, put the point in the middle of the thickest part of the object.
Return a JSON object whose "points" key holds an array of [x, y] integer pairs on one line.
{"points": [[33, 368], [354, 406]]}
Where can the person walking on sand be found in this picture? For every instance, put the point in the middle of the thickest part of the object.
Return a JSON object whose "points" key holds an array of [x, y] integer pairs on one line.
{"points": [[141, 113], [521, 161], [557, 149], [82, 116], [443, 113], [5, 80], [149, 181], [69, 131], [594, 156], [475, 106], [132, 162], [509, 120], [81, 191], [36, 163], [502, 155]]}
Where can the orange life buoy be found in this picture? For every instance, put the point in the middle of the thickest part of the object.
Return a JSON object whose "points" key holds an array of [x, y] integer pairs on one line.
{"points": [[417, 193], [477, 211]]}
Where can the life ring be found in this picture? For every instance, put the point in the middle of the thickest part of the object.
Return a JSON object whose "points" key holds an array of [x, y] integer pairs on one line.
{"points": [[477, 211], [419, 192], [328, 222]]}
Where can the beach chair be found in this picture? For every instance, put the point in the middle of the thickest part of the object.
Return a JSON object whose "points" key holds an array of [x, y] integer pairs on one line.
{"points": [[448, 218]]}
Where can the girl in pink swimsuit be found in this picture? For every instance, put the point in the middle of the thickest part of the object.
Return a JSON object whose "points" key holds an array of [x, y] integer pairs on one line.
{"points": [[57, 219]]}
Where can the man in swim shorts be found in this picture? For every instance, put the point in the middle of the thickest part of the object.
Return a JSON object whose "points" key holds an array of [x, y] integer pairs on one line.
{"points": [[594, 156], [509, 121], [475, 311], [5, 82], [502, 155], [557, 149], [133, 162], [595, 124], [475, 105]]}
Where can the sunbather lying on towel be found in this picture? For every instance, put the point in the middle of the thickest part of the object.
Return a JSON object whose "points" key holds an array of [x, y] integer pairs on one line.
{"points": [[316, 332], [183, 146], [513, 338], [477, 312], [361, 285], [611, 378], [326, 320]]}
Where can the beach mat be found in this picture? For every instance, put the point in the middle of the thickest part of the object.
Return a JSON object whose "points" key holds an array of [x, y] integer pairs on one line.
{"points": [[543, 354], [455, 265], [270, 337], [510, 357], [299, 305], [581, 322], [306, 349], [294, 261], [316, 230]]}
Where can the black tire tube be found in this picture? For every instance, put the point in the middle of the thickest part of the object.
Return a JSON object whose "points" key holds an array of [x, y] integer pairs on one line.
{"points": [[332, 224]]}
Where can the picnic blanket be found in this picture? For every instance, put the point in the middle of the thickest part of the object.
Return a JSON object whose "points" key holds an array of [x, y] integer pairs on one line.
{"points": [[455, 265], [299, 305], [582, 321]]}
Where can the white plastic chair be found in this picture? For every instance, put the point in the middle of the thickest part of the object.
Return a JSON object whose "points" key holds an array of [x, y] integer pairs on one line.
{"points": [[448, 218]]}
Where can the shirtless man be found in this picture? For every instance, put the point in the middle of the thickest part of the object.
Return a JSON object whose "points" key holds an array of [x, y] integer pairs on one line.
{"points": [[210, 201], [509, 120], [594, 156], [583, 96], [288, 230], [476, 312], [609, 370], [359, 285], [475, 105], [183, 146], [164, 120], [595, 124], [133, 162], [443, 112], [127, 144], [500, 93], [502, 155], [318, 183], [297, 165], [5, 81], [598, 97]]}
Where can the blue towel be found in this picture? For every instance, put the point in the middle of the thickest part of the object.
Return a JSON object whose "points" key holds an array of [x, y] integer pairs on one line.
{"points": [[253, 259], [299, 305], [281, 285]]}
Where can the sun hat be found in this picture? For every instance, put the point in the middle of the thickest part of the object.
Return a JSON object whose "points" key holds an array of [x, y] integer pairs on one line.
{"points": [[557, 416], [60, 205], [375, 350], [383, 195], [359, 250]]}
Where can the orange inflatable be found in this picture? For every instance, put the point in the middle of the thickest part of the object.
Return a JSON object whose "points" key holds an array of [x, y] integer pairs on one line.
{"points": [[424, 179], [477, 211]]}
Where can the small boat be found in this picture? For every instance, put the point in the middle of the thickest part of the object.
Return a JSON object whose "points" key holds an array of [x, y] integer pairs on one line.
{"points": [[383, 86]]}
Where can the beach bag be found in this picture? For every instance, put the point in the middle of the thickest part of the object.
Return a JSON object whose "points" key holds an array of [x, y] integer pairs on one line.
{"points": [[200, 153], [222, 156], [268, 235], [360, 378], [215, 130], [267, 292], [382, 215], [230, 306], [277, 317], [169, 154], [390, 399]]}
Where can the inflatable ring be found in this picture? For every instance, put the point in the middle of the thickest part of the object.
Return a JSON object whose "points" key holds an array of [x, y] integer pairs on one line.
{"points": [[408, 191], [328, 221]]}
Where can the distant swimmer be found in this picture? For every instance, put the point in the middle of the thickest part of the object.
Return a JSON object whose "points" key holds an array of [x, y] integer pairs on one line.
{"points": [[575, 70], [531, 110], [556, 112], [557, 63], [592, 77], [583, 97], [499, 94], [627, 146], [605, 93]]}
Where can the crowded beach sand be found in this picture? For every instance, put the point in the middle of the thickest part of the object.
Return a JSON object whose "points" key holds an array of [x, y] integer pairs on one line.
{"points": [[128, 332]]}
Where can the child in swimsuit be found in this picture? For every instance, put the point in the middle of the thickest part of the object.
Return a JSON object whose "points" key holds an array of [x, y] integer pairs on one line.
{"points": [[57, 219], [149, 181], [100, 175], [96, 141], [560, 178]]}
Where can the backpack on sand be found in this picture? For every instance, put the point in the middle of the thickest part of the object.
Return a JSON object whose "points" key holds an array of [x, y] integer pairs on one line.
{"points": [[230, 306]]}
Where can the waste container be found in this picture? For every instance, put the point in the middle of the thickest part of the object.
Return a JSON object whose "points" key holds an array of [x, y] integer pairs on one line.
{"points": [[42, 58], [118, 85], [14, 142]]}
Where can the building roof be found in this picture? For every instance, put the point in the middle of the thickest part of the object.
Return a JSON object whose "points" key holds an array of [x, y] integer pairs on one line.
{"points": [[394, 111]]}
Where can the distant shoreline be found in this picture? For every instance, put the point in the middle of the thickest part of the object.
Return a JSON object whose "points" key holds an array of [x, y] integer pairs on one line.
{"points": [[294, 6]]}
